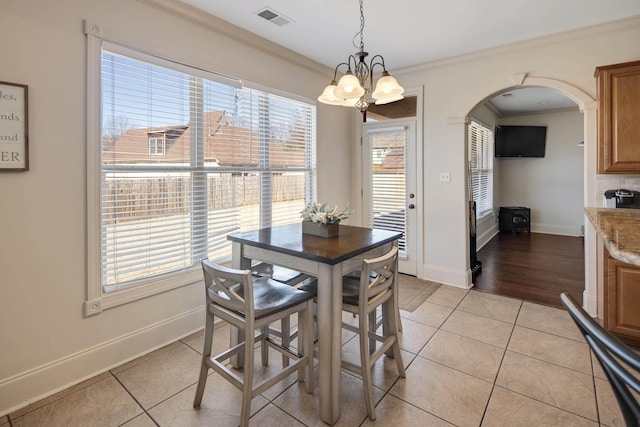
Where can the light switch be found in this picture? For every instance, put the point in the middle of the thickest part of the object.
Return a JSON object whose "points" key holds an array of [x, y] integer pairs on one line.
{"points": [[444, 177]]}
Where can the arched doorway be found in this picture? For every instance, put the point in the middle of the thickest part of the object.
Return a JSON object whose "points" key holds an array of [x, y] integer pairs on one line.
{"points": [[587, 106]]}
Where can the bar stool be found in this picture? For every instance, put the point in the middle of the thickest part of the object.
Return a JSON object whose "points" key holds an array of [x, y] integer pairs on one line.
{"points": [[354, 276], [251, 304], [377, 286], [288, 277]]}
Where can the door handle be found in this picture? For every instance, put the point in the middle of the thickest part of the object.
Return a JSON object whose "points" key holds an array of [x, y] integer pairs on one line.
{"points": [[412, 206]]}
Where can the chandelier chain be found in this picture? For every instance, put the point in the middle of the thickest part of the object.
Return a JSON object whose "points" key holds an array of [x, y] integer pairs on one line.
{"points": [[361, 25], [347, 93], [361, 32]]}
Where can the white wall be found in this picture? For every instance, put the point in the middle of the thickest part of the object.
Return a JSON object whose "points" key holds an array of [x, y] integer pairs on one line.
{"points": [[552, 187], [45, 342]]}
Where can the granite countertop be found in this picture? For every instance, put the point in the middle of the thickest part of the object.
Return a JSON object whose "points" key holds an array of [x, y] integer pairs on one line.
{"points": [[619, 230]]}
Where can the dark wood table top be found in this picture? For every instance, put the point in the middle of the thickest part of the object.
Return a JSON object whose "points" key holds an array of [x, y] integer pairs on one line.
{"points": [[289, 239]]}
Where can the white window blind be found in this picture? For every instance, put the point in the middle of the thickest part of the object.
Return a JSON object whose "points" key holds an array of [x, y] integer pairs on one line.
{"points": [[387, 163], [223, 159], [480, 139]]}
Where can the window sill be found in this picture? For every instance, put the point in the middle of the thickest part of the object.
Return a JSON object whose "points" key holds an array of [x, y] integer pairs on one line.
{"points": [[484, 215], [141, 291]]}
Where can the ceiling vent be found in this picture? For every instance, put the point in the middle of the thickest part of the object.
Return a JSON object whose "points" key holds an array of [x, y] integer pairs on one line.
{"points": [[273, 16]]}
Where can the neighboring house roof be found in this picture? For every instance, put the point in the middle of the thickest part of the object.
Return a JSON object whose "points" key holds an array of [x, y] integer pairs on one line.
{"points": [[224, 144], [395, 159]]}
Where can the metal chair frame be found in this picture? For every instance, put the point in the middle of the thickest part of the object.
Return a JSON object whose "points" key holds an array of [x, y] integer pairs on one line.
{"points": [[618, 361]]}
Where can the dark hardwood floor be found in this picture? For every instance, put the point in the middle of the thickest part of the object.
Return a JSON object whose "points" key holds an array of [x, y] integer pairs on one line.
{"points": [[533, 267]]}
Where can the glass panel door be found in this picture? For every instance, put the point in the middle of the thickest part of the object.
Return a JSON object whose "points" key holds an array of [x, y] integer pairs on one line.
{"points": [[390, 184]]}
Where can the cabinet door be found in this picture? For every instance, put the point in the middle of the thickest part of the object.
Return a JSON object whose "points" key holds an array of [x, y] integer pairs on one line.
{"points": [[618, 111], [622, 300]]}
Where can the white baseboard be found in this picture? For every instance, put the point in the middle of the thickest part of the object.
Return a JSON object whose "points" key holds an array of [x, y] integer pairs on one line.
{"points": [[447, 276], [484, 238], [30, 386], [563, 230]]}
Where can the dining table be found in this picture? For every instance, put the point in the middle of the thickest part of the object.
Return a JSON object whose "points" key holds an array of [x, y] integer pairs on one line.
{"points": [[327, 259]]}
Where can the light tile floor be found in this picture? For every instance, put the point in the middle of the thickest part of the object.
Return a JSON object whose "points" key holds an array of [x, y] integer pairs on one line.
{"points": [[473, 359]]}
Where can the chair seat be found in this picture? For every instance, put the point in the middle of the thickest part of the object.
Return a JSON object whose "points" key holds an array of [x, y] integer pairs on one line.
{"points": [[270, 296], [350, 290], [281, 274]]}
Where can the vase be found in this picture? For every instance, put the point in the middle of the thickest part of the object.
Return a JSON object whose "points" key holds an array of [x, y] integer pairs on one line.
{"points": [[320, 230]]}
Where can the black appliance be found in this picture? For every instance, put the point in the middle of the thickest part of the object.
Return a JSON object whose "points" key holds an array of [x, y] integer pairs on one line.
{"points": [[622, 198], [513, 219], [476, 266]]}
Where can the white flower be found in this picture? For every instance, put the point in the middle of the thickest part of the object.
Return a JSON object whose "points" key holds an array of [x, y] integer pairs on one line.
{"points": [[320, 217], [323, 214]]}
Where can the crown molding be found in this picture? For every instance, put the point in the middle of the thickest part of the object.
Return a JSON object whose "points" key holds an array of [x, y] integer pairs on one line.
{"points": [[213, 23], [608, 27]]}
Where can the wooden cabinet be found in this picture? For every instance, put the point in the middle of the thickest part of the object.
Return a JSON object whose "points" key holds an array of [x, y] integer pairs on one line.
{"points": [[618, 88], [622, 300]]}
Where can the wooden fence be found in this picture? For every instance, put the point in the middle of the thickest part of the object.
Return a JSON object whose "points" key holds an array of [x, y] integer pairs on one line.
{"points": [[136, 198]]}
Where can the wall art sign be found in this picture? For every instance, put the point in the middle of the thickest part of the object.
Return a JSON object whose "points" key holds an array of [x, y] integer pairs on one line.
{"points": [[14, 135]]}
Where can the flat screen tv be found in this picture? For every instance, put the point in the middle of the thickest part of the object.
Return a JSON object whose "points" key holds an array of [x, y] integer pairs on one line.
{"points": [[520, 141]]}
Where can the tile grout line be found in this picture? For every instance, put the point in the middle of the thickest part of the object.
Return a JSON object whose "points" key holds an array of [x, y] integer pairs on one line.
{"points": [[546, 361], [415, 354], [495, 379], [595, 387], [144, 411]]}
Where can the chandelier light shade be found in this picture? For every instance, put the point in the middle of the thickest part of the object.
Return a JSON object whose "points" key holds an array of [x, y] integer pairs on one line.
{"points": [[354, 86], [349, 87], [387, 90], [328, 96]]}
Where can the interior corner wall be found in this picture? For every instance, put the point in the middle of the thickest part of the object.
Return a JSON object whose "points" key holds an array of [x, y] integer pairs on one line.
{"points": [[335, 156], [47, 344], [552, 186]]}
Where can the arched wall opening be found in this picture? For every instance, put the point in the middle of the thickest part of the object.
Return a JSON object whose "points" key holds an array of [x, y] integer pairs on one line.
{"points": [[587, 106]]}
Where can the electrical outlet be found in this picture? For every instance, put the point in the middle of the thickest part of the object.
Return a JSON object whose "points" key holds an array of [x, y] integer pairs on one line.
{"points": [[445, 177]]}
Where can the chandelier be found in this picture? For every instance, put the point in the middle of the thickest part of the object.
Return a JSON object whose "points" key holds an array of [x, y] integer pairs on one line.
{"points": [[352, 88]]}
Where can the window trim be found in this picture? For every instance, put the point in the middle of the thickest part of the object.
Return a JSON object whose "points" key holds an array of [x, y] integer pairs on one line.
{"points": [[96, 299]]}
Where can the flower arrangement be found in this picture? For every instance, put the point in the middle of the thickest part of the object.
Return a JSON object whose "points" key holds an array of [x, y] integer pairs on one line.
{"points": [[324, 214]]}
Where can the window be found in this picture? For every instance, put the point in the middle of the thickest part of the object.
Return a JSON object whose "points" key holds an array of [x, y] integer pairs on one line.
{"points": [[185, 159], [156, 145], [480, 139]]}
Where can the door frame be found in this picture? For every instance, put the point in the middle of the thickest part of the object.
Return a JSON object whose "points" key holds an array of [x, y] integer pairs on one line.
{"points": [[357, 189]]}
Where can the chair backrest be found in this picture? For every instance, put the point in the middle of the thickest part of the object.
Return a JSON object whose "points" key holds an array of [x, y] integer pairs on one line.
{"points": [[616, 358], [378, 277], [228, 288]]}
